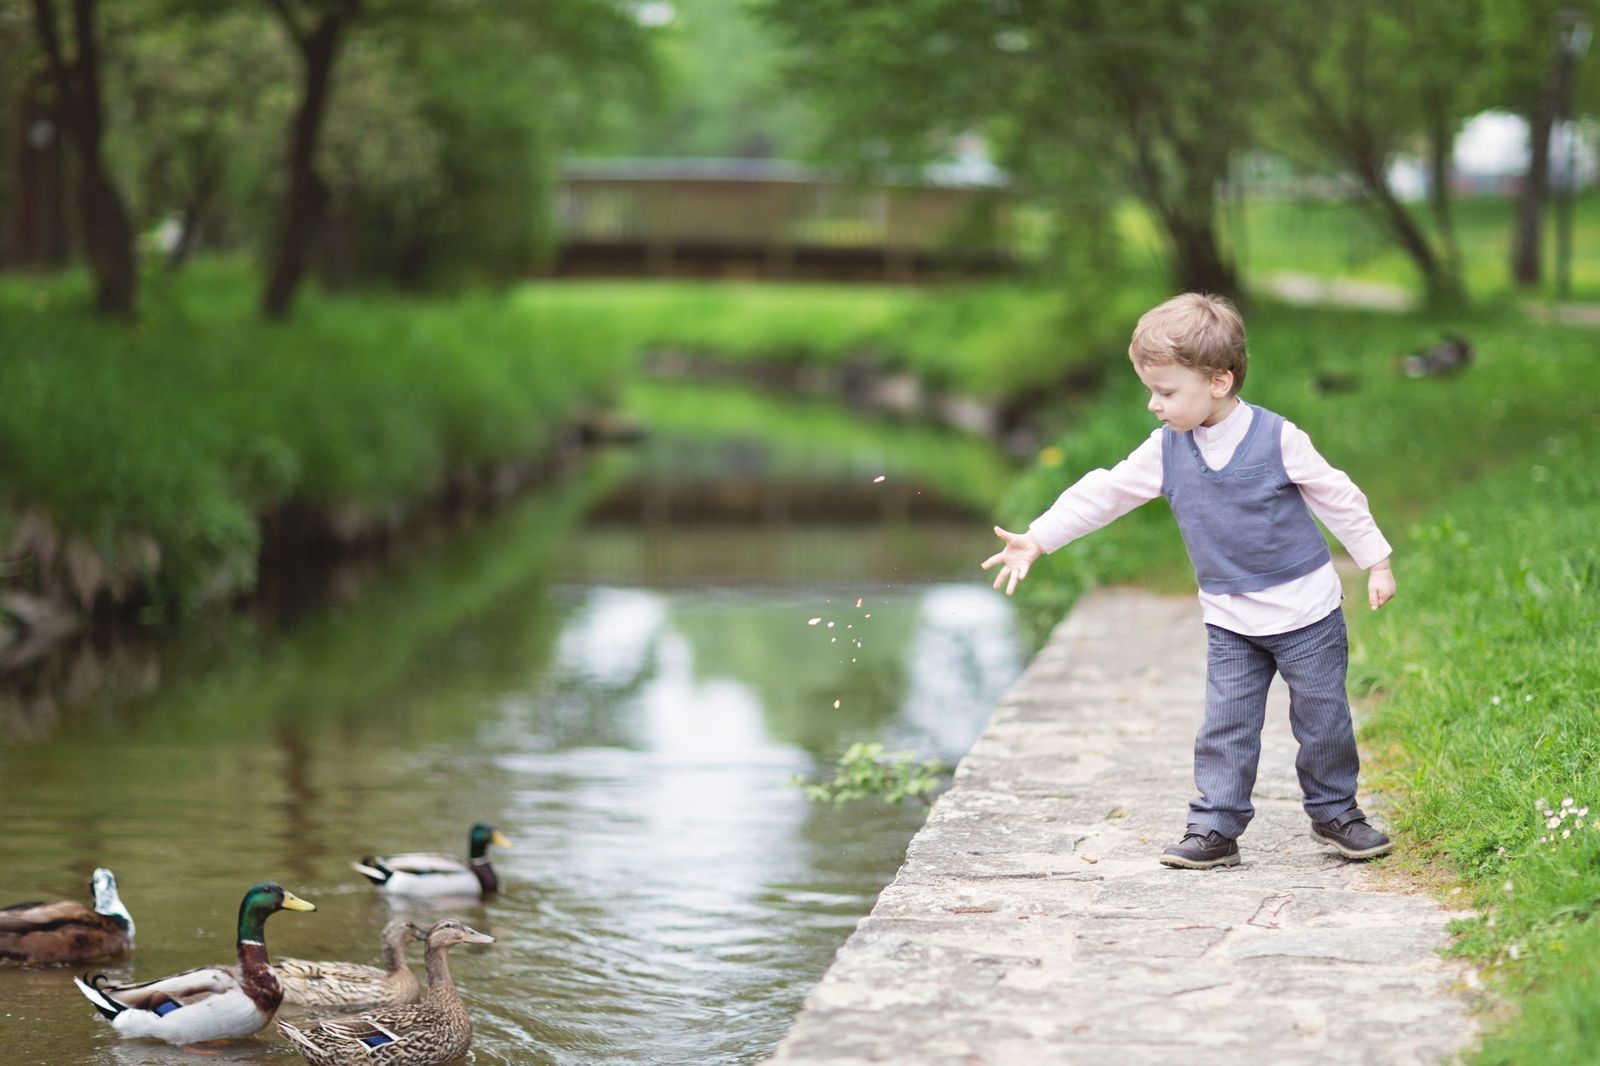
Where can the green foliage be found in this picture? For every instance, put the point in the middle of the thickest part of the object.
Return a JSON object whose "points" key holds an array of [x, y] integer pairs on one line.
{"points": [[202, 420], [868, 770], [1491, 713]]}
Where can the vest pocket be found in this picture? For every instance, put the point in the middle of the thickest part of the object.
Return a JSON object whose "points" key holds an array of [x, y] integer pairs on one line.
{"points": [[1253, 473]]}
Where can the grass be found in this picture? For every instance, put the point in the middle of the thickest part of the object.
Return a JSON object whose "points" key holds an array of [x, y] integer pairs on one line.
{"points": [[1332, 238], [1486, 668], [1490, 677], [186, 429], [990, 341]]}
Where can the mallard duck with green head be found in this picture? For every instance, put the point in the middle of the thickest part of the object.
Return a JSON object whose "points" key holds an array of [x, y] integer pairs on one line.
{"points": [[437, 1030], [211, 1002], [68, 931], [424, 874], [350, 984]]}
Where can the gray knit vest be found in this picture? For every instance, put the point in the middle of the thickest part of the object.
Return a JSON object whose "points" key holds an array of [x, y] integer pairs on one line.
{"points": [[1246, 526]]}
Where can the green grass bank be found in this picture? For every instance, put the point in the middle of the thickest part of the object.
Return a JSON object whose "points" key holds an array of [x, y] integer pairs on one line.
{"points": [[1484, 672], [144, 463]]}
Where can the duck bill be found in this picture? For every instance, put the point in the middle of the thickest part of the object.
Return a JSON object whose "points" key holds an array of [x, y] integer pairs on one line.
{"points": [[292, 902], [498, 839], [475, 937]]}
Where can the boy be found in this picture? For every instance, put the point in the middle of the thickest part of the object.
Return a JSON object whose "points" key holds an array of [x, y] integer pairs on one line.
{"points": [[1243, 484]]}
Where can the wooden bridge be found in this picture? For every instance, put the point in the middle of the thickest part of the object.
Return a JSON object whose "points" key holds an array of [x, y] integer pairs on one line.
{"points": [[762, 218]]}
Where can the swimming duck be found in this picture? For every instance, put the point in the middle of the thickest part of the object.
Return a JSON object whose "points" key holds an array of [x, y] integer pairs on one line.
{"points": [[437, 1030], [348, 984], [421, 874], [68, 931], [209, 1003]]}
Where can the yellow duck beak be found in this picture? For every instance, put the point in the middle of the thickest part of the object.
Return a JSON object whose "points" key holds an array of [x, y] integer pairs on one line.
{"points": [[292, 902], [498, 839]]}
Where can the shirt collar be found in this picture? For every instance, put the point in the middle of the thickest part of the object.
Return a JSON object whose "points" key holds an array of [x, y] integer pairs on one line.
{"points": [[1230, 430]]}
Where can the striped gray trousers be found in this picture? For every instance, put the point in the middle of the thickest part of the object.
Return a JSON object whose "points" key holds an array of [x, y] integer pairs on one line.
{"points": [[1312, 661]]}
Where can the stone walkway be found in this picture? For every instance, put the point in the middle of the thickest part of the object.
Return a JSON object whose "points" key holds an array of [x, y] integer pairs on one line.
{"points": [[1031, 923]]}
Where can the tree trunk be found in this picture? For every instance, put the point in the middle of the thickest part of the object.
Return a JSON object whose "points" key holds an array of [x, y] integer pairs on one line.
{"points": [[1527, 259], [107, 233], [36, 222], [307, 197], [1441, 147], [1198, 262]]}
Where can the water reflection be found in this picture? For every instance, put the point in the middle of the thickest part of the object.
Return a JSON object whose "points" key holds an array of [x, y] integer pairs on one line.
{"points": [[629, 726]]}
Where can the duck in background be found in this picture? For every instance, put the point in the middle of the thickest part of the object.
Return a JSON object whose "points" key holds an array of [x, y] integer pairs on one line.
{"points": [[424, 874], [211, 1002], [349, 984], [68, 931], [437, 1030]]}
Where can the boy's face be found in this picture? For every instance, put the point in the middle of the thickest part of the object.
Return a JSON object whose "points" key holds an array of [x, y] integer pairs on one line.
{"points": [[1183, 398]]}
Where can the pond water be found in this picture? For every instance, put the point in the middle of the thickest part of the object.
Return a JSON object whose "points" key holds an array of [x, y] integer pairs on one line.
{"points": [[625, 700]]}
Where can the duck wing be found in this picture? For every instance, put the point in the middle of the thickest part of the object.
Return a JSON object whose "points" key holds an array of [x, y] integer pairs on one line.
{"points": [[424, 863], [29, 917], [66, 931], [186, 988]]}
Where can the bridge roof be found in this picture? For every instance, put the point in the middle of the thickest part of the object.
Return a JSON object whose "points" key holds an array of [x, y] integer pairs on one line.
{"points": [[965, 173]]}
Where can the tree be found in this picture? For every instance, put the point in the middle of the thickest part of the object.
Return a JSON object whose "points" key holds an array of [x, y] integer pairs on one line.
{"points": [[1368, 79], [1529, 70], [1137, 91], [107, 232]]}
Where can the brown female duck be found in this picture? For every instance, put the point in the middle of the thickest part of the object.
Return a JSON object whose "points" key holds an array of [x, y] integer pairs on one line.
{"points": [[437, 1030], [349, 984]]}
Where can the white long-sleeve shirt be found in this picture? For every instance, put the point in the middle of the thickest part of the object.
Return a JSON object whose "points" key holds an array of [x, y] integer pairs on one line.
{"points": [[1102, 496]]}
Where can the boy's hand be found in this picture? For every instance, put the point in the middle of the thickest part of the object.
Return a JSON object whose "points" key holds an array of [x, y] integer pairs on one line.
{"points": [[1380, 584], [1015, 558]]}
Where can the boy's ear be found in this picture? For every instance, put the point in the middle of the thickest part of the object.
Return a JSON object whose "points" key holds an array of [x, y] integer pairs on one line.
{"points": [[1221, 384]]}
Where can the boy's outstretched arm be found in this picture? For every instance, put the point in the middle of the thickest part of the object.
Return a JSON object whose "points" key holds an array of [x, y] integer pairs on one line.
{"points": [[1014, 559], [1380, 584]]}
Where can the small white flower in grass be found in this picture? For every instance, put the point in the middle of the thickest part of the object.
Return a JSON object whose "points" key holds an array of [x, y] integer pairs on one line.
{"points": [[1506, 888], [812, 621], [1553, 823], [1501, 850], [1539, 804], [1581, 811], [836, 705], [1543, 839], [1567, 802], [1515, 952], [1495, 701], [830, 625], [879, 478], [1527, 699], [1565, 833]]}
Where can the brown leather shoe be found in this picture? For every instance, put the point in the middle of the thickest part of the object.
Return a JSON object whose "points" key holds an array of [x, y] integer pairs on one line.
{"points": [[1201, 849], [1352, 836]]}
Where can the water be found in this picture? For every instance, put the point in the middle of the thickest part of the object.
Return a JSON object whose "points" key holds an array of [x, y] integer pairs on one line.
{"points": [[625, 704]]}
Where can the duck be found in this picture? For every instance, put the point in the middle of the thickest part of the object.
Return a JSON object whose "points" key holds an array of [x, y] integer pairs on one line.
{"points": [[422, 874], [349, 984], [437, 1030], [68, 931], [211, 1002]]}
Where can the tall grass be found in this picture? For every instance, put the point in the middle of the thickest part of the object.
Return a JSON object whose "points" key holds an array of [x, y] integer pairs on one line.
{"points": [[191, 425]]}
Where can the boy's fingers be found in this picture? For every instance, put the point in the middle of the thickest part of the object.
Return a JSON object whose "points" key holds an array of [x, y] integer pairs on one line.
{"points": [[1000, 577], [995, 558]]}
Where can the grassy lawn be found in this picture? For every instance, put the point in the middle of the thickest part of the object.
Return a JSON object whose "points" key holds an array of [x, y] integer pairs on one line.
{"points": [[1487, 664], [1338, 239]]}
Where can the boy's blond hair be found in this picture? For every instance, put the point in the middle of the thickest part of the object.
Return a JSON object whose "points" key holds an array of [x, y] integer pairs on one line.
{"points": [[1197, 331]]}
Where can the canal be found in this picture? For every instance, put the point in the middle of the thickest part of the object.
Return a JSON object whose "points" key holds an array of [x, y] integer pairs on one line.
{"points": [[621, 673]]}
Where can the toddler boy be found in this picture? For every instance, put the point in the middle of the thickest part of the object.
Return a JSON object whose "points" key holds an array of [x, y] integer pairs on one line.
{"points": [[1243, 484]]}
